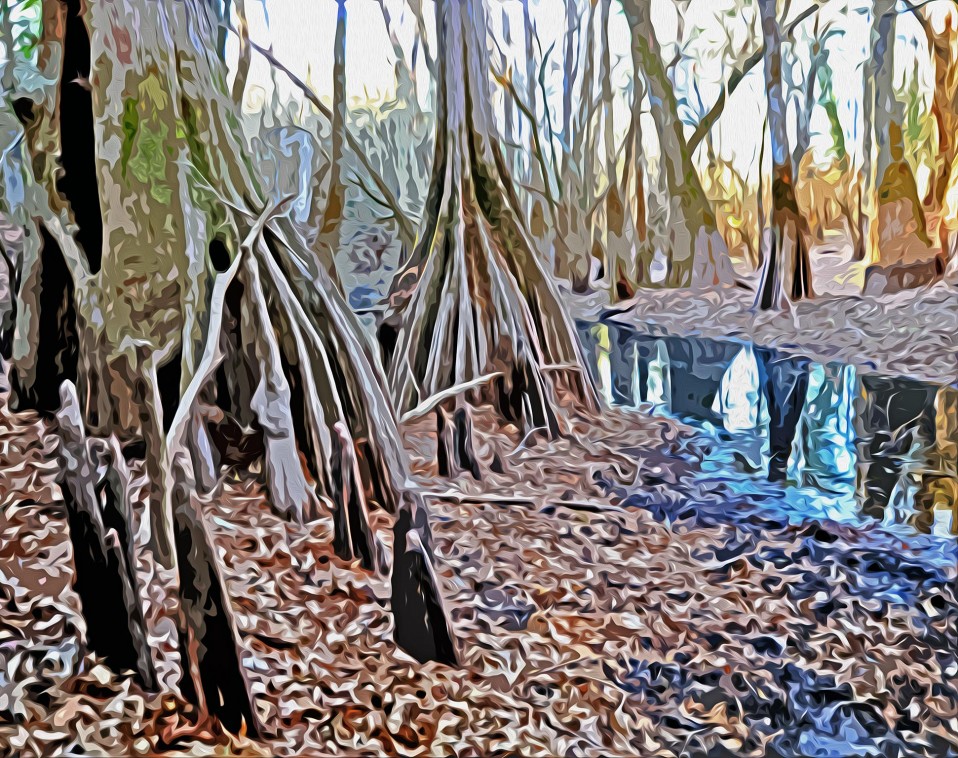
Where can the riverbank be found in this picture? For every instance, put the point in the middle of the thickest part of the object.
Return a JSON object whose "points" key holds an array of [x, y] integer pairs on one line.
{"points": [[912, 333]]}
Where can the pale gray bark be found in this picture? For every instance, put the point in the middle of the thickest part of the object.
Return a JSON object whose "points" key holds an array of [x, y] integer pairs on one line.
{"points": [[698, 255]]}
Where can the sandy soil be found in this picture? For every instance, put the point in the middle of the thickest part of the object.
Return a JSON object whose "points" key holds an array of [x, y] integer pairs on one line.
{"points": [[608, 600], [912, 333]]}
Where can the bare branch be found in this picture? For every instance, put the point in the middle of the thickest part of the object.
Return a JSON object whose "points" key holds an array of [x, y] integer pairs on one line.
{"points": [[389, 198], [714, 113], [509, 84], [397, 48], [433, 400]]}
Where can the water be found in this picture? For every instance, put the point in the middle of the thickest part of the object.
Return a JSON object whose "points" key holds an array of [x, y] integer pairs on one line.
{"points": [[813, 440], [863, 470]]}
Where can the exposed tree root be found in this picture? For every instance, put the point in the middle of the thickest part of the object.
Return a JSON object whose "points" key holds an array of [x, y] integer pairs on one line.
{"points": [[262, 342], [475, 299]]}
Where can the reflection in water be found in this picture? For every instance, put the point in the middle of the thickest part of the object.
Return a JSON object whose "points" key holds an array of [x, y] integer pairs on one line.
{"points": [[604, 365], [898, 425], [938, 491], [848, 446], [739, 400], [823, 451], [659, 391], [785, 385]]}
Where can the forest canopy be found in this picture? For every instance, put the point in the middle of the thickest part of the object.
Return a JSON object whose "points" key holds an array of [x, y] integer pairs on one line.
{"points": [[570, 98]]}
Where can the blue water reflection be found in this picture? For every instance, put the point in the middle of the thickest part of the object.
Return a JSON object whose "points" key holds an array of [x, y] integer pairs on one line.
{"points": [[822, 440], [824, 452]]}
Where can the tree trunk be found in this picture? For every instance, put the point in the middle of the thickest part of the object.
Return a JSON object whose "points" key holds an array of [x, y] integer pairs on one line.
{"points": [[46, 258], [569, 67], [867, 236], [890, 206], [699, 256], [618, 261], [625, 211], [508, 104], [476, 299], [187, 235], [943, 189], [537, 224], [572, 242], [787, 273], [245, 58], [528, 50], [329, 236]]}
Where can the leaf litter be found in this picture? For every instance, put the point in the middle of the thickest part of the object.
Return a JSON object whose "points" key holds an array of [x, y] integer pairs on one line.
{"points": [[589, 622]]}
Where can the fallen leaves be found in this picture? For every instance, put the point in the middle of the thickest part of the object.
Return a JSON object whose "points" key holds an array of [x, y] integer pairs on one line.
{"points": [[582, 631]]}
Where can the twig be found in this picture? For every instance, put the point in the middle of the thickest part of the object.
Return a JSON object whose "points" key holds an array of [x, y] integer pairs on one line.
{"points": [[432, 401]]}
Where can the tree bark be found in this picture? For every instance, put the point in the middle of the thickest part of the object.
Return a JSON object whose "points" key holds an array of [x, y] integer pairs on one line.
{"points": [[787, 273], [476, 299], [329, 236], [625, 211], [699, 256], [890, 207], [572, 240], [943, 189], [618, 262]]}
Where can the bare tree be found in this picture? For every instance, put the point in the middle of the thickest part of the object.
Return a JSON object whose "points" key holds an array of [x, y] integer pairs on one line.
{"points": [[699, 256], [475, 303], [162, 263], [787, 273], [889, 193]]}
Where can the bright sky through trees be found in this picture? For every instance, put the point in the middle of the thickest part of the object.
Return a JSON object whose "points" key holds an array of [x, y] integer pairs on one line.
{"points": [[715, 36]]}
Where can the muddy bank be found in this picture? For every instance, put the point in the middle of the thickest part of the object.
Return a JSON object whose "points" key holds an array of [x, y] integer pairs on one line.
{"points": [[912, 333]]}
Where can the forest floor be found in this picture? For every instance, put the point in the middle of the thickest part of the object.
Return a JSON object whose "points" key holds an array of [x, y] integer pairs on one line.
{"points": [[911, 333], [608, 599]]}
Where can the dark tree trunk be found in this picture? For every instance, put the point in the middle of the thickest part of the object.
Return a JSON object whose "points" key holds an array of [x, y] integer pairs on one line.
{"points": [[787, 274]]}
